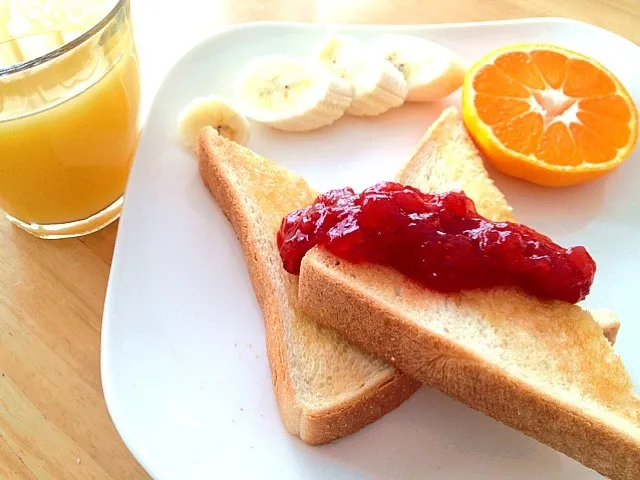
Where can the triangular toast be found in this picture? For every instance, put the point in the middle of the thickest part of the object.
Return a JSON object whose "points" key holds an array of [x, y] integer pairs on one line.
{"points": [[325, 387], [542, 367]]}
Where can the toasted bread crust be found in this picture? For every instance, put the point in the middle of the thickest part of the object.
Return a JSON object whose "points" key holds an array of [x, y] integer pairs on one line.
{"points": [[333, 293], [222, 189], [322, 426], [313, 426]]}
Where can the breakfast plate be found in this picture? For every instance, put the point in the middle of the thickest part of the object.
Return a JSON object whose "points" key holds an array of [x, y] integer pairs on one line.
{"points": [[184, 366]]}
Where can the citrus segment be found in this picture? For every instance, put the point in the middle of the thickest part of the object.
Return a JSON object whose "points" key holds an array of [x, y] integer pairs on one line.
{"points": [[587, 80], [548, 115], [552, 66], [493, 109], [611, 106], [556, 145], [520, 67], [522, 133], [597, 151], [494, 80], [612, 131]]}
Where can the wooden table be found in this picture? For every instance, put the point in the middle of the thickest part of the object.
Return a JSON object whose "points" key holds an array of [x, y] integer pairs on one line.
{"points": [[53, 420]]}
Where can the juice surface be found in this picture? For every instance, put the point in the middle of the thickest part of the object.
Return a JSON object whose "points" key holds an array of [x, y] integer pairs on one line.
{"points": [[68, 132]]}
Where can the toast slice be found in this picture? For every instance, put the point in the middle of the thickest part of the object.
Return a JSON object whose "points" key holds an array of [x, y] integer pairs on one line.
{"points": [[542, 367], [325, 387]]}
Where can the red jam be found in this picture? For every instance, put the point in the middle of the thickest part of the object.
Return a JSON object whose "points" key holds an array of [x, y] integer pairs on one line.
{"points": [[439, 240]]}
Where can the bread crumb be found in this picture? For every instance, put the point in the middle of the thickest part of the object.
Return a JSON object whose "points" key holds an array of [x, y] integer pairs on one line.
{"points": [[393, 359], [78, 461]]}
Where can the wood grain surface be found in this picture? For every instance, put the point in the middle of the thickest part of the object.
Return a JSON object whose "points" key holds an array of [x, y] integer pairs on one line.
{"points": [[53, 420]]}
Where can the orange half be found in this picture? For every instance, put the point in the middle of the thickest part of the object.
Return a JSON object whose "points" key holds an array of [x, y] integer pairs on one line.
{"points": [[548, 115]]}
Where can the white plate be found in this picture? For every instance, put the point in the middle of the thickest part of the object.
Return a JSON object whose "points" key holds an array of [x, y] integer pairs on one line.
{"points": [[184, 368]]}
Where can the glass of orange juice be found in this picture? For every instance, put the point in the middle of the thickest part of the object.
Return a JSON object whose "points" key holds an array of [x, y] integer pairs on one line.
{"points": [[69, 102]]}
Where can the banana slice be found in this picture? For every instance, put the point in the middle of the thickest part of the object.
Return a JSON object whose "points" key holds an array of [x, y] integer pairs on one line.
{"points": [[431, 70], [212, 111], [378, 85], [291, 94]]}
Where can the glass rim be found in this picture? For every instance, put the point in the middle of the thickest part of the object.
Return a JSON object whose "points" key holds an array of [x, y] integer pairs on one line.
{"points": [[67, 47]]}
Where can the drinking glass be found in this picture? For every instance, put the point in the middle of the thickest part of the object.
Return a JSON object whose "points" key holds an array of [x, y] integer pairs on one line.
{"points": [[69, 103]]}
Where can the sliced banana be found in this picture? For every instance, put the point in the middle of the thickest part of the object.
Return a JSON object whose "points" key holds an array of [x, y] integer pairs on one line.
{"points": [[291, 94], [431, 70], [377, 84], [212, 111]]}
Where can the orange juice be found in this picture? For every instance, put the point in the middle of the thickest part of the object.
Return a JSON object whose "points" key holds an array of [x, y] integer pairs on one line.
{"points": [[68, 131]]}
